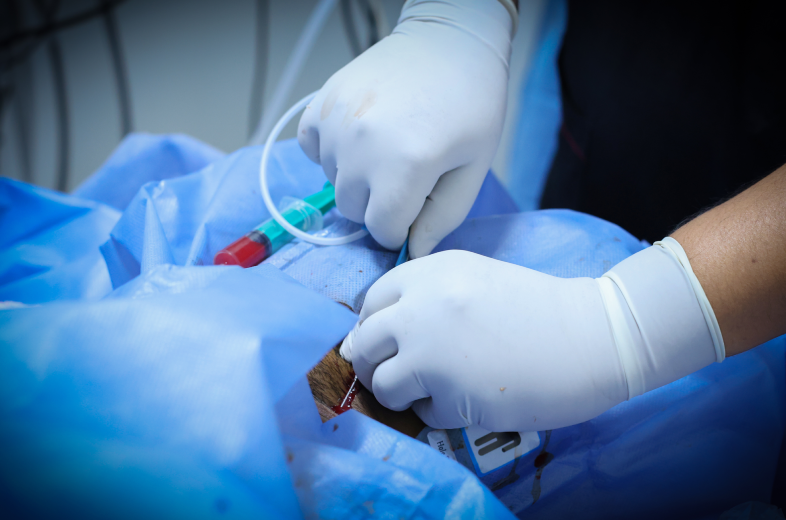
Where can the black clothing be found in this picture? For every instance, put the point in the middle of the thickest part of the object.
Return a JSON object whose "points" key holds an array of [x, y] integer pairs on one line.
{"points": [[669, 107]]}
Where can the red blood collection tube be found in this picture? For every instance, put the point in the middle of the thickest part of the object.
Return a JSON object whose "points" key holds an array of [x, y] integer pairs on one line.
{"points": [[269, 236], [246, 252]]}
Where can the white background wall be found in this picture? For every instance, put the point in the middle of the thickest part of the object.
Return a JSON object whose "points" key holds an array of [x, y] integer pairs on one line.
{"points": [[190, 66]]}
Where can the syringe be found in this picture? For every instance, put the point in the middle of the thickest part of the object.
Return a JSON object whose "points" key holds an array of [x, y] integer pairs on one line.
{"points": [[269, 236]]}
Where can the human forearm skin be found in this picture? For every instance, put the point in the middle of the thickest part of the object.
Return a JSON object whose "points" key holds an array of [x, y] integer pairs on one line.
{"points": [[738, 253]]}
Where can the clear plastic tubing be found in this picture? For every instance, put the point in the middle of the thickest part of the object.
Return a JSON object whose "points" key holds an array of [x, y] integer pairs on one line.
{"points": [[265, 190], [305, 42]]}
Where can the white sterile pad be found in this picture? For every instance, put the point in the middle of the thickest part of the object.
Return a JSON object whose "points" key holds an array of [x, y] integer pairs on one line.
{"points": [[492, 450], [438, 439]]}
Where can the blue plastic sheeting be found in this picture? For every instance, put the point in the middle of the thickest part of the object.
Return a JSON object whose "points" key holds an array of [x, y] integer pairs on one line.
{"points": [[354, 467], [142, 158], [159, 402], [182, 393], [49, 245], [540, 112], [49, 241]]}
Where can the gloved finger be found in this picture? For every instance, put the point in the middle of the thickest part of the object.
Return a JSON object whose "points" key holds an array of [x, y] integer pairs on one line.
{"points": [[429, 414], [352, 194], [374, 343], [445, 208], [395, 384], [308, 130], [345, 351], [393, 207], [327, 154], [386, 291]]}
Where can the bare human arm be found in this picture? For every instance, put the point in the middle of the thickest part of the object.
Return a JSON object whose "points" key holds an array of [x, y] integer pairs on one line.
{"points": [[738, 253]]}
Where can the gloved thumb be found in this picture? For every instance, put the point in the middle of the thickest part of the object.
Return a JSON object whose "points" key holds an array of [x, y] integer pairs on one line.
{"points": [[428, 413], [445, 208]]}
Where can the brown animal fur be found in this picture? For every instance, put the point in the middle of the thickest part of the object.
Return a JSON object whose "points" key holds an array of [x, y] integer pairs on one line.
{"points": [[330, 380]]}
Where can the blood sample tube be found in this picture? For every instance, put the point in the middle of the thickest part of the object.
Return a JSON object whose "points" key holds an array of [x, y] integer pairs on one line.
{"points": [[269, 236]]}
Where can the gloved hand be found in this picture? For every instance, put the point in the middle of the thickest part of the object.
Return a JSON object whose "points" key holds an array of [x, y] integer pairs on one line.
{"points": [[407, 131], [465, 339]]}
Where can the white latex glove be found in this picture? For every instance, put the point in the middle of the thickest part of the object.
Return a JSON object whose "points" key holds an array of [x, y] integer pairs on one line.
{"points": [[407, 131], [465, 339]]}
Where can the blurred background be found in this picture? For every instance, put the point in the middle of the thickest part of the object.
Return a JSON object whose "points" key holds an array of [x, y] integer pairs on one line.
{"points": [[77, 75]]}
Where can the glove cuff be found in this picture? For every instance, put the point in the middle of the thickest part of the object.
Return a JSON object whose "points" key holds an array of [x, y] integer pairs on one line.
{"points": [[514, 15], [674, 248], [492, 22], [662, 323]]}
